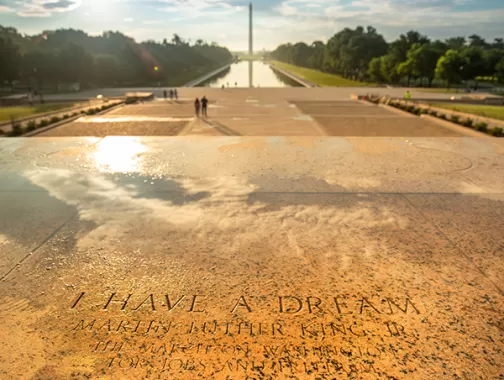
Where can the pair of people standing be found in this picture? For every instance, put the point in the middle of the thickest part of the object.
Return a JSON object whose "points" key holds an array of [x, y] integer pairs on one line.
{"points": [[173, 94], [201, 105]]}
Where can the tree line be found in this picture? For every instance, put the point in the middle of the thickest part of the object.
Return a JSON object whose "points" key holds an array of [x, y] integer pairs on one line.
{"points": [[112, 59], [363, 54]]}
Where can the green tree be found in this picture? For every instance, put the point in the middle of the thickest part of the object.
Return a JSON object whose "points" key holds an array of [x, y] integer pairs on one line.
{"points": [[108, 70], [499, 69], [424, 59], [477, 41], [389, 69], [456, 43], [41, 67], [475, 64], [450, 66], [375, 70], [176, 40], [68, 55], [316, 59], [349, 52], [492, 57], [74, 64], [398, 53], [498, 43], [407, 69], [299, 54], [9, 61]]}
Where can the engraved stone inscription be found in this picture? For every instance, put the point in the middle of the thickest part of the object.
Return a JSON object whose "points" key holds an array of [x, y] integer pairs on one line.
{"points": [[294, 335]]}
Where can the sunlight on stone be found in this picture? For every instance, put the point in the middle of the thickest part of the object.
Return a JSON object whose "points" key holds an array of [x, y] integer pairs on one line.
{"points": [[119, 154]]}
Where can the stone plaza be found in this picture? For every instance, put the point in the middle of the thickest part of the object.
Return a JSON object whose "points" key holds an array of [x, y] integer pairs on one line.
{"points": [[257, 112], [294, 233]]}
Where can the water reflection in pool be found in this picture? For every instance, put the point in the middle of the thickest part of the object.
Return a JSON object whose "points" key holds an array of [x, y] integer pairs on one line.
{"points": [[250, 74]]}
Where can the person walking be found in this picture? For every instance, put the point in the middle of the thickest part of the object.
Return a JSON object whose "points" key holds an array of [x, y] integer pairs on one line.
{"points": [[165, 94], [171, 94], [175, 94], [204, 105], [197, 107]]}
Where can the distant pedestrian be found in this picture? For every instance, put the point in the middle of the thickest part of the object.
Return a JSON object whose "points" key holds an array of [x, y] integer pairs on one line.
{"points": [[236, 84], [407, 96], [175, 94], [197, 106], [204, 105], [171, 94], [165, 94]]}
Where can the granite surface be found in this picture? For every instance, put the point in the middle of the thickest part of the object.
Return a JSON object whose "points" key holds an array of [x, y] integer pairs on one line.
{"points": [[251, 257], [255, 112]]}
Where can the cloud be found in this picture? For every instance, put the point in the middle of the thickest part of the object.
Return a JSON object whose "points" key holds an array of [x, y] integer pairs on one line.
{"points": [[188, 9], [223, 218], [44, 8], [61, 4], [5, 9], [437, 18]]}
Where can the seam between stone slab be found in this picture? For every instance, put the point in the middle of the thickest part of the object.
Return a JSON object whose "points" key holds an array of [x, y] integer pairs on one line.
{"points": [[188, 127], [318, 127], [324, 193], [467, 257], [86, 147], [49, 237], [455, 127]]}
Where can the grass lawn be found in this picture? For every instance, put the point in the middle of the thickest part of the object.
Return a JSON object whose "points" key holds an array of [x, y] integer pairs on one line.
{"points": [[19, 112], [318, 77], [495, 112]]}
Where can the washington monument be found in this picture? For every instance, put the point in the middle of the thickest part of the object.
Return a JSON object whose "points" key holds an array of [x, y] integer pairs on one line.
{"points": [[251, 44]]}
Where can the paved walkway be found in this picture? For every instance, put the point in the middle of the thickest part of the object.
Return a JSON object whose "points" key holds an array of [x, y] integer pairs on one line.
{"points": [[254, 112]]}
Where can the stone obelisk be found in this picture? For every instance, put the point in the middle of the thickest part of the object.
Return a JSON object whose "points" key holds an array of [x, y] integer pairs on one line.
{"points": [[251, 43]]}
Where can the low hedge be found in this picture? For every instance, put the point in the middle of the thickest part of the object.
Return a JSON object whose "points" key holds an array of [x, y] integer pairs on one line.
{"points": [[31, 126], [497, 131], [467, 122], [17, 130], [482, 127]]}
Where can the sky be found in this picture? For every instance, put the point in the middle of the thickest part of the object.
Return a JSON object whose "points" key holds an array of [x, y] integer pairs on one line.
{"points": [[275, 21]]}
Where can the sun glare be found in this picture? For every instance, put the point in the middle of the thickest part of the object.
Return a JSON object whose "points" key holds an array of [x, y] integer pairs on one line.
{"points": [[119, 154]]}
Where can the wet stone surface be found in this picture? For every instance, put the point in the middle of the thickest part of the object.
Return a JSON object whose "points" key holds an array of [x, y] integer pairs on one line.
{"points": [[259, 258]]}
